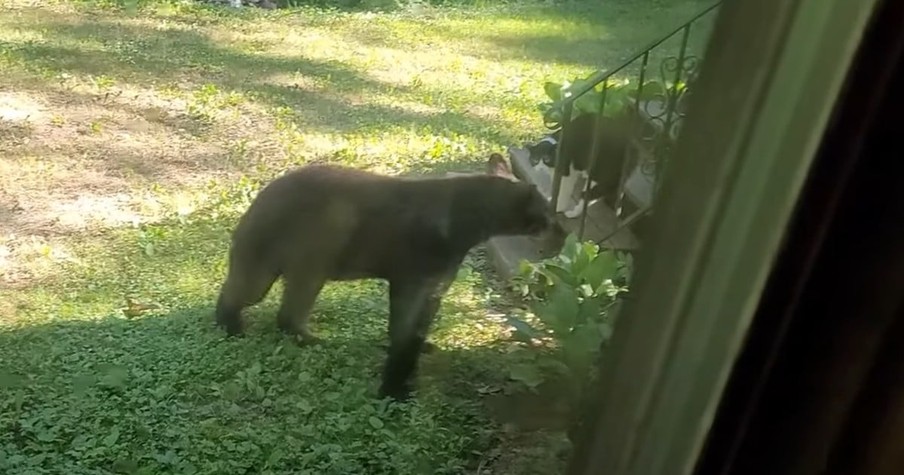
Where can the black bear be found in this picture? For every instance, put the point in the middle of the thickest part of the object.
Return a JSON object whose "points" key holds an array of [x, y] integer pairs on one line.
{"points": [[321, 223]]}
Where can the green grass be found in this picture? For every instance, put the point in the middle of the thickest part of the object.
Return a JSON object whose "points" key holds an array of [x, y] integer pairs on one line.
{"points": [[131, 143]]}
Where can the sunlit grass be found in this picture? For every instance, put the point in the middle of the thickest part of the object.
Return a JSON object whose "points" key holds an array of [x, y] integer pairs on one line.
{"points": [[133, 141]]}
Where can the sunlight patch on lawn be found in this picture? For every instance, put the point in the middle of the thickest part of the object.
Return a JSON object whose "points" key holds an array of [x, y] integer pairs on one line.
{"points": [[392, 93], [178, 115]]}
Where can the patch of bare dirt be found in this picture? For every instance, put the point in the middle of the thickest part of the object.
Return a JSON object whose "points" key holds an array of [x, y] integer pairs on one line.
{"points": [[73, 159]]}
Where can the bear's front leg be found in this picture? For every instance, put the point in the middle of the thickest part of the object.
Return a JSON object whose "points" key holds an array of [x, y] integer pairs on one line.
{"points": [[412, 308]]}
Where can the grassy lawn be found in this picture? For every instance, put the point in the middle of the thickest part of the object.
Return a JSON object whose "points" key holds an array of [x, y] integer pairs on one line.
{"points": [[129, 144]]}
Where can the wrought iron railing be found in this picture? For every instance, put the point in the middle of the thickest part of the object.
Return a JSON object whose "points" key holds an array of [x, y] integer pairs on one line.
{"points": [[661, 112]]}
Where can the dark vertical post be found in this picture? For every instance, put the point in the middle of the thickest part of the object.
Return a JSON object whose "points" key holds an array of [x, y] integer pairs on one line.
{"points": [[591, 162], [635, 132], [671, 105], [562, 163]]}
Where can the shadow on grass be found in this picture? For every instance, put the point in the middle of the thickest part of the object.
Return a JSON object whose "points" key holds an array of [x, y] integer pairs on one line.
{"points": [[13, 132], [180, 396], [168, 392], [150, 56], [608, 33], [576, 33], [585, 34]]}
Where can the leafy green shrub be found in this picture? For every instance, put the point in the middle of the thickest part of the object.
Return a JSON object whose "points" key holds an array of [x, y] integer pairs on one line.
{"points": [[571, 297], [620, 95]]}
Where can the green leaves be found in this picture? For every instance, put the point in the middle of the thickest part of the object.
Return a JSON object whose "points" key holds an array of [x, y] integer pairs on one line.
{"points": [[112, 375], [620, 96], [9, 380], [304, 406], [523, 331], [528, 374], [553, 90], [110, 439], [559, 311], [602, 268], [169, 394], [375, 422], [570, 296], [175, 396]]}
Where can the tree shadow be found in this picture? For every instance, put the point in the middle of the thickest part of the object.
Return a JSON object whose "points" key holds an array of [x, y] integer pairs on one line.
{"points": [[175, 389], [129, 155], [337, 103], [580, 34], [623, 30], [171, 382]]}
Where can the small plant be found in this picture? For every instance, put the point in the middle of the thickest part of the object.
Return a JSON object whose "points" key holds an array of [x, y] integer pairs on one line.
{"points": [[238, 150], [103, 82], [286, 119], [201, 107], [571, 297], [207, 100], [206, 94], [149, 237], [620, 95], [96, 127]]}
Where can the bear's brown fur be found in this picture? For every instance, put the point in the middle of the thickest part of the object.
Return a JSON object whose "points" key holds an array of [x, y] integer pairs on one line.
{"points": [[322, 223]]}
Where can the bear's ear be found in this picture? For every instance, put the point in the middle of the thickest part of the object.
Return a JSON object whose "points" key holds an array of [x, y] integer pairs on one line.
{"points": [[497, 166]]}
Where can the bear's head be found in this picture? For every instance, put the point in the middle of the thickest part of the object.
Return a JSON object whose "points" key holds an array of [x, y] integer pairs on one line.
{"points": [[524, 210]]}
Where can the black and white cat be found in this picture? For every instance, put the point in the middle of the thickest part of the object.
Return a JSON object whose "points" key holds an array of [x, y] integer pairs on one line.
{"points": [[603, 169]]}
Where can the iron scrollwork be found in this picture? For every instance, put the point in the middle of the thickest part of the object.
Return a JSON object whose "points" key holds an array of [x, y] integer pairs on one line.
{"points": [[659, 104], [666, 110]]}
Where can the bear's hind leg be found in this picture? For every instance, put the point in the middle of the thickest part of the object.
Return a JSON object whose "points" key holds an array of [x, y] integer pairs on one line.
{"points": [[243, 288], [299, 294]]}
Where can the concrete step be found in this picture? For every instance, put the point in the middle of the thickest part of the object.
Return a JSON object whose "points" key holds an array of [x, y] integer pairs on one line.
{"points": [[506, 253]]}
